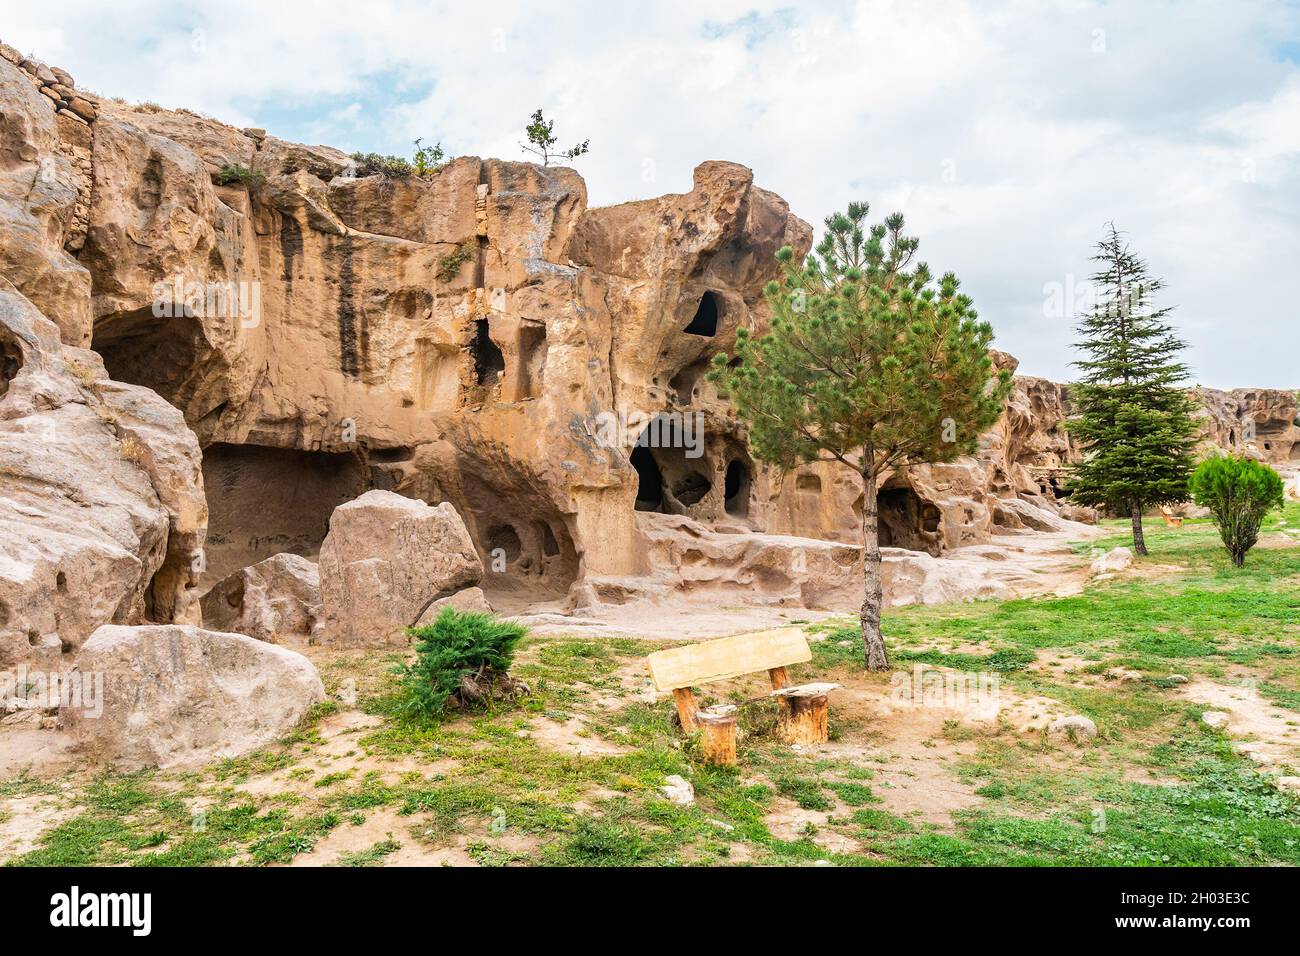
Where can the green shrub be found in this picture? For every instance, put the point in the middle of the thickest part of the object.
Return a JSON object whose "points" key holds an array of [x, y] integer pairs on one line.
{"points": [[377, 164], [232, 173], [1238, 492], [462, 658], [449, 265], [427, 159]]}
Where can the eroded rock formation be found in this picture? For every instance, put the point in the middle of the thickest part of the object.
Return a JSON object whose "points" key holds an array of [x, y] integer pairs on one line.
{"points": [[478, 337], [102, 514]]}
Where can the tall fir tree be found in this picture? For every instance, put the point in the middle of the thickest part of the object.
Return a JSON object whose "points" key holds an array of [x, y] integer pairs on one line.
{"points": [[1135, 416], [870, 363]]}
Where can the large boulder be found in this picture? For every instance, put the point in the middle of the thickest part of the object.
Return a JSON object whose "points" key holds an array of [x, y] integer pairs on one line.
{"points": [[271, 600], [102, 512], [181, 696], [385, 560]]}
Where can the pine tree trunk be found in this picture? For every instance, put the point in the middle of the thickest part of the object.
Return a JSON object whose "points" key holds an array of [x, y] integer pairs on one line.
{"points": [[1139, 542], [873, 588]]}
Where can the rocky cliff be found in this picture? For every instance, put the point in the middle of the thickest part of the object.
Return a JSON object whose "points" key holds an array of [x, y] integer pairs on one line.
{"points": [[478, 336]]}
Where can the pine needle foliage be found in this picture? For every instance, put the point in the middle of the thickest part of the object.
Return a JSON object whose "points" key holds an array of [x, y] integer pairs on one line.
{"points": [[459, 646], [870, 362], [1239, 492], [1135, 418]]}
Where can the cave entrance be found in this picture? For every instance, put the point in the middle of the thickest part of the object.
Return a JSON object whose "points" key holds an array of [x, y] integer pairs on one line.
{"points": [[264, 500], [650, 480], [489, 363], [160, 353], [11, 362], [705, 320], [735, 488], [906, 521]]}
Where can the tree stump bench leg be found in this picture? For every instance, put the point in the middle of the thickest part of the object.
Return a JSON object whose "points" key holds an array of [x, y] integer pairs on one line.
{"points": [[804, 720], [718, 739], [687, 709]]}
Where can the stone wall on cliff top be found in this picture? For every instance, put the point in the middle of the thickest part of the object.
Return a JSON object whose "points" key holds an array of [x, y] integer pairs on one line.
{"points": [[471, 336]]}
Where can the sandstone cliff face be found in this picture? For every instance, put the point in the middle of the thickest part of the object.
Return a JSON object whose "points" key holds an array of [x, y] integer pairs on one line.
{"points": [[102, 512], [478, 336]]}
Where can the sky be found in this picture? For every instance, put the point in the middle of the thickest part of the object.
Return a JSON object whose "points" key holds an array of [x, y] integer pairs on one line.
{"points": [[1008, 133]]}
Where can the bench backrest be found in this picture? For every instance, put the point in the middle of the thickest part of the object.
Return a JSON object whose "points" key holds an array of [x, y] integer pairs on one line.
{"points": [[728, 657]]}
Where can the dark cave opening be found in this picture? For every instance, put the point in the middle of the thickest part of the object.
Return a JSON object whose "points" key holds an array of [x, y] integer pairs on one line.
{"points": [[705, 320], [650, 480], [264, 500], [735, 488], [489, 363], [905, 520]]}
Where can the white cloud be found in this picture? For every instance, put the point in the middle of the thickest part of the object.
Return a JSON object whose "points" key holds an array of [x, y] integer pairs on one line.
{"points": [[1009, 132]]}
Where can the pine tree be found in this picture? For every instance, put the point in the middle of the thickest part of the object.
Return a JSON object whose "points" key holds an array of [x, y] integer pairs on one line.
{"points": [[868, 363], [1135, 417]]}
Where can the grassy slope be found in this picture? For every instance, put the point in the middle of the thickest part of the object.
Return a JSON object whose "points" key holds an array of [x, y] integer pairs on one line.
{"points": [[1210, 806]]}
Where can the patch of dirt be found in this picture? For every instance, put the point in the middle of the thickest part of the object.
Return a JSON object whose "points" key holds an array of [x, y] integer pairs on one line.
{"points": [[23, 820], [572, 737], [789, 821], [1271, 734]]}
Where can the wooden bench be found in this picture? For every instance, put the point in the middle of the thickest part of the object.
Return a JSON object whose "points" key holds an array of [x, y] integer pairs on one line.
{"points": [[803, 709], [1171, 519]]}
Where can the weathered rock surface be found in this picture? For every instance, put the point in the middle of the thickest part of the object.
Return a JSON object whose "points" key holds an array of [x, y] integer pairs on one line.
{"points": [[102, 512], [468, 337], [181, 696], [385, 560], [38, 205], [1116, 559], [275, 599], [1074, 727], [470, 599]]}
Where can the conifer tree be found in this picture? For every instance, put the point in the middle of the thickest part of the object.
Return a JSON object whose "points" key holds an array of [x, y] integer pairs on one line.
{"points": [[870, 363], [1135, 417]]}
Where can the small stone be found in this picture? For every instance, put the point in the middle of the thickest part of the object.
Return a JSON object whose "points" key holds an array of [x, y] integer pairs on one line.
{"points": [[82, 108], [1215, 718], [1177, 678], [10, 54], [1124, 675], [1074, 727], [64, 77], [678, 790], [1288, 784], [724, 827]]}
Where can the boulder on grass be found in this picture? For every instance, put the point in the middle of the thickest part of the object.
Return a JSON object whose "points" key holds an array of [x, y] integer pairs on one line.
{"points": [[273, 599], [179, 696], [470, 599], [385, 560], [1117, 559]]}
